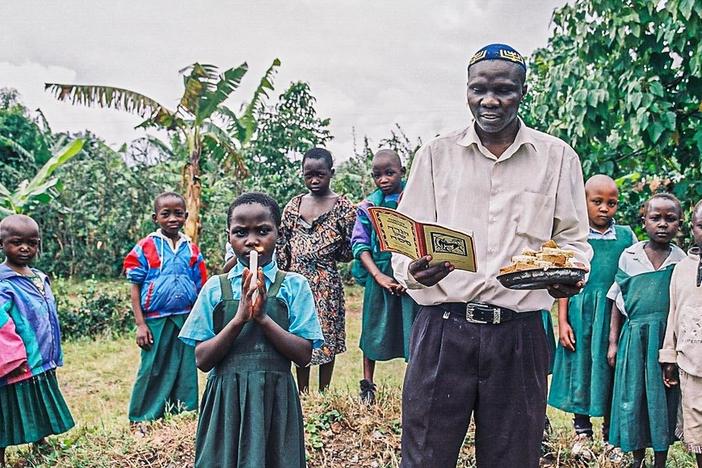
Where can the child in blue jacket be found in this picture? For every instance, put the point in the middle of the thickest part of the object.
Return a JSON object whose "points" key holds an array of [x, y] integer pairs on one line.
{"points": [[167, 272], [31, 404]]}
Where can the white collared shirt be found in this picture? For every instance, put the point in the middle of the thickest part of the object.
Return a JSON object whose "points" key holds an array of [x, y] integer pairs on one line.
{"points": [[532, 193], [609, 234], [634, 261]]}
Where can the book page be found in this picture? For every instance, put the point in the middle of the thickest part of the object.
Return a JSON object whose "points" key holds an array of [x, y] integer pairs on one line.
{"points": [[396, 232], [447, 245]]}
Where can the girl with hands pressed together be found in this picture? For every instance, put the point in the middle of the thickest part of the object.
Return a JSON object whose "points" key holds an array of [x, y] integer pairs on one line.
{"points": [[247, 327]]}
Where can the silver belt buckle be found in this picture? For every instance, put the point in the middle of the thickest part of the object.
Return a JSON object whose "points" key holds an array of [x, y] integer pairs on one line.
{"points": [[470, 311], [470, 317]]}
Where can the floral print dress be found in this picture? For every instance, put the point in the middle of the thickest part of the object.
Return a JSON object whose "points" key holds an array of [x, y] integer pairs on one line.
{"points": [[313, 250]]}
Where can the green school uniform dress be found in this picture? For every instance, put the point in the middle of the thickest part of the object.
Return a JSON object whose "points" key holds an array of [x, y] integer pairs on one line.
{"points": [[250, 416], [582, 380], [644, 411], [387, 318]]}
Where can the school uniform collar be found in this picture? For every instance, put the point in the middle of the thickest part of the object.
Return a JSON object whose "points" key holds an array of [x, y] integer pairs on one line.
{"points": [[610, 230], [269, 270], [525, 136], [638, 254]]}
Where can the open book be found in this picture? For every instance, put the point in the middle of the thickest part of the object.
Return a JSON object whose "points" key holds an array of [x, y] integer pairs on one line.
{"points": [[400, 233]]}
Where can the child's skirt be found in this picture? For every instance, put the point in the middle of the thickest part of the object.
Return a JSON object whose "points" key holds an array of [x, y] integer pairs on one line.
{"points": [[387, 319], [32, 409], [690, 427], [167, 376]]}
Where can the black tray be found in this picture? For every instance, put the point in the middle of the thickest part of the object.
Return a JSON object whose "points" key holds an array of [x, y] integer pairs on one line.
{"points": [[541, 278]]}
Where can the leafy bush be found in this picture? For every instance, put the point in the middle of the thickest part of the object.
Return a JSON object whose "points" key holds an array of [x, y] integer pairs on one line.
{"points": [[104, 208], [91, 309]]}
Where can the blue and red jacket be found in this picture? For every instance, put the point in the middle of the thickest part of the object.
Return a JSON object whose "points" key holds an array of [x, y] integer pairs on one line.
{"points": [[170, 278], [29, 328]]}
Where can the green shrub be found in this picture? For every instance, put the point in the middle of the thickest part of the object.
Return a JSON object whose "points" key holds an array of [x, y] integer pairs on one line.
{"points": [[91, 309]]}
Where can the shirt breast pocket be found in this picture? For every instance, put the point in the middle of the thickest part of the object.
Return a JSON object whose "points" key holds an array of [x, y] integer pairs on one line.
{"points": [[535, 216]]}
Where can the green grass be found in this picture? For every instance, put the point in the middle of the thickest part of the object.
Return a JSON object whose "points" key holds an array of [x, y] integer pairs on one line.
{"points": [[97, 378]]}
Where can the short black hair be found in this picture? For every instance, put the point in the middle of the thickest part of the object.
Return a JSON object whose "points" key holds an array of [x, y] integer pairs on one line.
{"points": [[14, 221], [388, 153], [164, 195], [319, 153], [664, 196], [249, 198]]}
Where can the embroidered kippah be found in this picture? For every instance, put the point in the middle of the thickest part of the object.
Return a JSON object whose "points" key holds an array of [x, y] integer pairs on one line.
{"points": [[498, 52]]}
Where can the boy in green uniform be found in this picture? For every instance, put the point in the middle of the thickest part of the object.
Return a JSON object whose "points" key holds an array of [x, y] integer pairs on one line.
{"points": [[582, 378], [388, 313], [166, 271]]}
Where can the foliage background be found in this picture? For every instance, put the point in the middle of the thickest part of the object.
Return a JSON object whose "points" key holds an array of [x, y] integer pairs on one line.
{"points": [[621, 82]]}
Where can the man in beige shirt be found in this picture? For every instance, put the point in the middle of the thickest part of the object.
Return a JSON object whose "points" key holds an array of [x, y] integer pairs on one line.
{"points": [[476, 346]]}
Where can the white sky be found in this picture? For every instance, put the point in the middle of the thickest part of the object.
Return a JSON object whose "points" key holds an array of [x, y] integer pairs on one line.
{"points": [[369, 63]]}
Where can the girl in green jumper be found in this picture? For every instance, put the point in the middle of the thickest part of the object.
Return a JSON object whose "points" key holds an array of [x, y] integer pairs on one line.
{"points": [[582, 378], [246, 331], [388, 312], [643, 410]]}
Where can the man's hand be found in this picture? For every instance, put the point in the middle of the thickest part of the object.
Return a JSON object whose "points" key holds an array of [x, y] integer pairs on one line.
{"points": [[670, 375], [561, 291], [566, 337], [389, 283], [144, 338], [429, 275]]}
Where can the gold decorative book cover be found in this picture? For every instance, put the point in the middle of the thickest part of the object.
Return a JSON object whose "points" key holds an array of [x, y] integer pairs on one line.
{"points": [[400, 233]]}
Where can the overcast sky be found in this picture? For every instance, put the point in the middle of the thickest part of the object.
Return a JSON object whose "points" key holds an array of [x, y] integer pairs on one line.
{"points": [[369, 63]]}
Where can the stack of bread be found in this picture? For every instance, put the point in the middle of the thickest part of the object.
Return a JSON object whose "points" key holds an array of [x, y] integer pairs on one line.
{"points": [[550, 256]]}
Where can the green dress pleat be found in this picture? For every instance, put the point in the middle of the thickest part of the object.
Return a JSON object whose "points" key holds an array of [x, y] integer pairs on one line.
{"points": [[167, 376], [32, 409], [582, 379], [387, 319], [250, 414], [643, 410]]}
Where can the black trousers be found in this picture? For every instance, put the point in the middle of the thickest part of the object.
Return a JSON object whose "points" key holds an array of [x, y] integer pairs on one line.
{"points": [[459, 369]]}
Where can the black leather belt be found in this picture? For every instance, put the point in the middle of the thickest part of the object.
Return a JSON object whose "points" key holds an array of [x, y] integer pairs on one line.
{"points": [[479, 312]]}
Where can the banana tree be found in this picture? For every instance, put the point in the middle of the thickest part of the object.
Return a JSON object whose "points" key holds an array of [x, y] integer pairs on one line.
{"points": [[208, 127], [43, 187]]}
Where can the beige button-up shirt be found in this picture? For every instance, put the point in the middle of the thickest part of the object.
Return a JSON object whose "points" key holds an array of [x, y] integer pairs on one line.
{"points": [[532, 193]]}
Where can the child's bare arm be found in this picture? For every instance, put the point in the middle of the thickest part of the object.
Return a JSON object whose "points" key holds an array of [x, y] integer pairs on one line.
{"points": [[385, 281], [615, 325], [565, 332], [209, 353], [144, 338]]}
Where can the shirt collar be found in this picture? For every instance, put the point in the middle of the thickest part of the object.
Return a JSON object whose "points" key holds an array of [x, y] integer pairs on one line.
{"points": [[524, 136], [269, 270], [638, 253], [609, 229]]}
